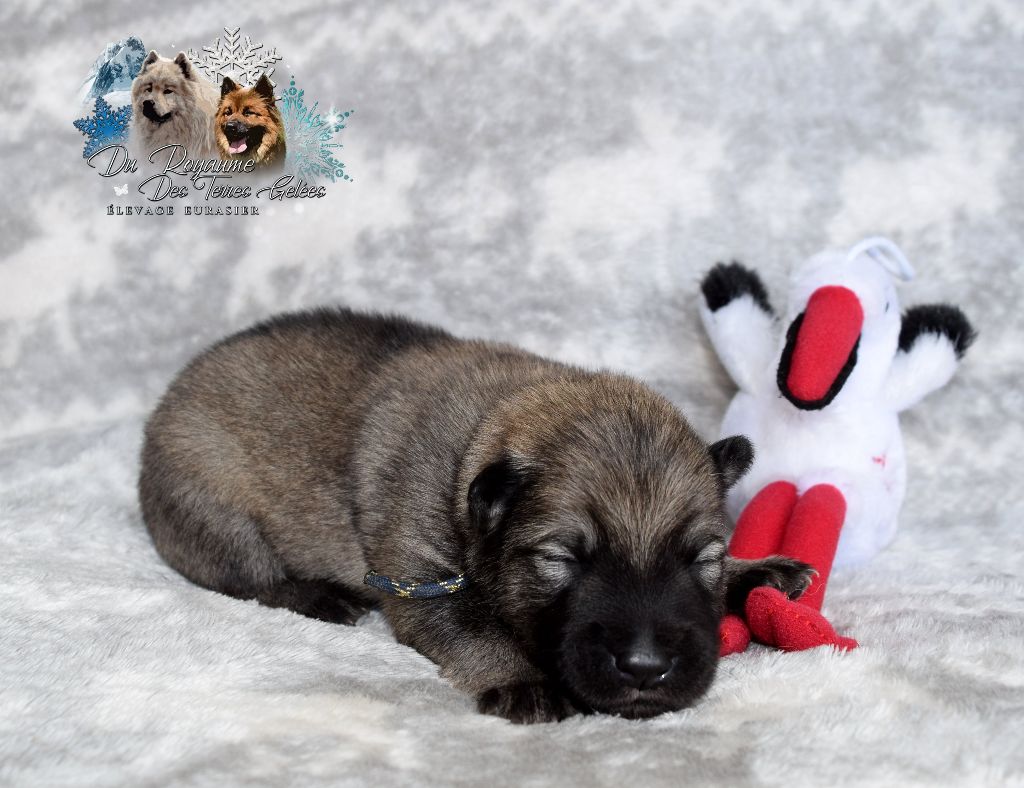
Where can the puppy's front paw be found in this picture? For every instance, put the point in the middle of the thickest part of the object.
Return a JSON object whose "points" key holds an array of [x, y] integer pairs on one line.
{"points": [[788, 575], [525, 703]]}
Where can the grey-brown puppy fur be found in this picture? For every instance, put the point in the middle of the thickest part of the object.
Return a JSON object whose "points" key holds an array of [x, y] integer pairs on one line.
{"points": [[289, 459]]}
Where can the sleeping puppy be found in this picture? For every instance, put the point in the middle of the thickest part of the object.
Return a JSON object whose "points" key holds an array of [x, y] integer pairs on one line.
{"points": [[553, 538]]}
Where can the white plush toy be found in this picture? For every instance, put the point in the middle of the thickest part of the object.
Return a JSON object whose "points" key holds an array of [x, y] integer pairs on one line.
{"points": [[819, 396]]}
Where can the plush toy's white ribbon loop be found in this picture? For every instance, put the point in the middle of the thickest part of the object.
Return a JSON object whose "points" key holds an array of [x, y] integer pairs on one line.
{"points": [[885, 253]]}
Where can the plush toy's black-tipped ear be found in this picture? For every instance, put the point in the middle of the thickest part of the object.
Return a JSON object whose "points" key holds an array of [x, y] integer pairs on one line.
{"points": [[265, 89], [494, 493], [723, 283], [182, 62], [227, 86], [151, 58], [732, 457], [945, 320]]}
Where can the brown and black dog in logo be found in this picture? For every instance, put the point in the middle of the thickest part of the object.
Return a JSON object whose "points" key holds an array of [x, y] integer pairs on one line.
{"points": [[249, 124]]}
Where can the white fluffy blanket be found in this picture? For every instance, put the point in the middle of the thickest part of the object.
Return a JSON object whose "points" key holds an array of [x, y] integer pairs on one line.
{"points": [[556, 174]]}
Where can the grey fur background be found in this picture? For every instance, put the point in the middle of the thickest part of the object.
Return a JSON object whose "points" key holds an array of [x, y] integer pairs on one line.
{"points": [[557, 176]]}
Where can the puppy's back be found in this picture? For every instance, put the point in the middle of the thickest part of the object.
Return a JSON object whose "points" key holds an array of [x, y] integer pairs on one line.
{"points": [[258, 431], [276, 384]]}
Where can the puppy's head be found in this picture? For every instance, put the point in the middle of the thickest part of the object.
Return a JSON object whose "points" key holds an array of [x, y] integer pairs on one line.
{"points": [[163, 88], [248, 121], [601, 539]]}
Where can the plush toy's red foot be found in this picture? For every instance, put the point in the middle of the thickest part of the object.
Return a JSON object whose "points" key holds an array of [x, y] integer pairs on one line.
{"points": [[776, 620], [733, 636]]}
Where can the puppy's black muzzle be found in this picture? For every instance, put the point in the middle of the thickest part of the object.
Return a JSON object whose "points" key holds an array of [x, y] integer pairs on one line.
{"points": [[644, 666], [149, 111]]}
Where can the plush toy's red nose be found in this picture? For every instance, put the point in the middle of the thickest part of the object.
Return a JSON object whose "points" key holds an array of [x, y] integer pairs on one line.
{"points": [[825, 340]]}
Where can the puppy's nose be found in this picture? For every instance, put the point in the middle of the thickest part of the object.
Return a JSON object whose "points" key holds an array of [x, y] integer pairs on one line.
{"points": [[644, 667], [234, 126], [147, 104]]}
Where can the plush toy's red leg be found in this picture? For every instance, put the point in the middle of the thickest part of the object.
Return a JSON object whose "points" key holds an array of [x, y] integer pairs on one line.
{"points": [[812, 536], [758, 534], [760, 529], [733, 635]]}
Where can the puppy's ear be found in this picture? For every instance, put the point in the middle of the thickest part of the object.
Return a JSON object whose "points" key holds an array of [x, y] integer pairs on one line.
{"points": [[732, 457], [493, 494], [265, 89], [151, 58], [181, 61], [227, 86]]}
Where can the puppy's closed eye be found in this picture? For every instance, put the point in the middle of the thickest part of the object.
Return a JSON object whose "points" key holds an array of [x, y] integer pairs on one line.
{"points": [[555, 563], [708, 563]]}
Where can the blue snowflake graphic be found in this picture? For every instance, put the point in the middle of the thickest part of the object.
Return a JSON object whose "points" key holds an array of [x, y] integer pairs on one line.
{"points": [[309, 137], [106, 126]]}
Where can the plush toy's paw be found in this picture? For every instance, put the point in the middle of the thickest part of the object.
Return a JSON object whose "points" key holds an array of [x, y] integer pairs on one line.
{"points": [[726, 282], [788, 575], [942, 319], [733, 636], [776, 620], [525, 703]]}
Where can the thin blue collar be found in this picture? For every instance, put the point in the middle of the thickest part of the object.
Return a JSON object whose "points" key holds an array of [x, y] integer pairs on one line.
{"points": [[415, 590]]}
